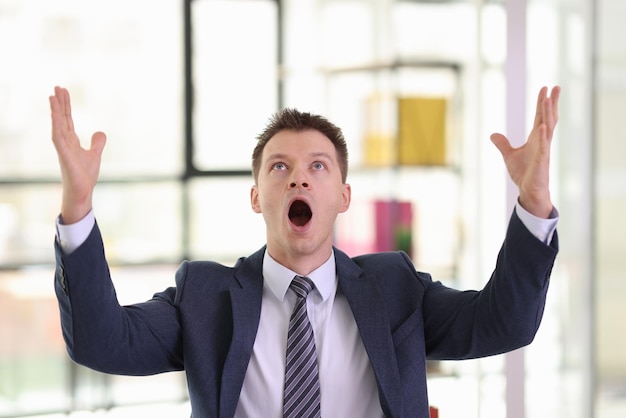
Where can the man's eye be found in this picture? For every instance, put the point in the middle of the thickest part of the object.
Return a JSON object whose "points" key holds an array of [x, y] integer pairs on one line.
{"points": [[318, 166], [279, 166]]}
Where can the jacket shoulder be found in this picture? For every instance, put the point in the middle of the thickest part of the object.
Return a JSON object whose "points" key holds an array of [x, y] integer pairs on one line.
{"points": [[216, 274], [387, 263]]}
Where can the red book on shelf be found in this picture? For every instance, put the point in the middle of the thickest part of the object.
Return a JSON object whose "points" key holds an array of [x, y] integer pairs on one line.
{"points": [[375, 226], [394, 221]]}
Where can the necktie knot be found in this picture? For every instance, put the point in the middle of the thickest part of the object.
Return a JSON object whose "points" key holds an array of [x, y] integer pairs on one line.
{"points": [[302, 286]]}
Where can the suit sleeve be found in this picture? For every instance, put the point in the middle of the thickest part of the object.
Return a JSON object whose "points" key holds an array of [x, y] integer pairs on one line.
{"points": [[140, 339], [505, 314]]}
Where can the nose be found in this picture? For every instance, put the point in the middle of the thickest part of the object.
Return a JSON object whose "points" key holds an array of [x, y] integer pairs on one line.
{"points": [[298, 179], [302, 183]]}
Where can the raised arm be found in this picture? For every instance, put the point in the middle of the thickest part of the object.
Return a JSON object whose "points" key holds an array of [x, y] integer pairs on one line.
{"points": [[529, 165], [79, 167]]}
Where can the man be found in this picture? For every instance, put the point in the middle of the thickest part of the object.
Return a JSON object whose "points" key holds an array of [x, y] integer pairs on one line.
{"points": [[374, 318]]}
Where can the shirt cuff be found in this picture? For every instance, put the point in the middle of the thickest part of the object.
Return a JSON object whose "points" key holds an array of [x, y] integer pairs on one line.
{"points": [[541, 228], [71, 236]]}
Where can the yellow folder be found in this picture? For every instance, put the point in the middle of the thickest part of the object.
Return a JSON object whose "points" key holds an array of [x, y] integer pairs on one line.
{"points": [[421, 131]]}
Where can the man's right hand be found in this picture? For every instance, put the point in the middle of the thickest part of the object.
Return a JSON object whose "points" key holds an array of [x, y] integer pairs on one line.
{"points": [[79, 167]]}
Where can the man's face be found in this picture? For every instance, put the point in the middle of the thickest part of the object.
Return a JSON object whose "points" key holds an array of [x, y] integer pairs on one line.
{"points": [[299, 191]]}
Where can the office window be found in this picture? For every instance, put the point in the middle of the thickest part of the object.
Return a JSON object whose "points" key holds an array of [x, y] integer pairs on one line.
{"points": [[123, 64], [234, 55], [124, 73], [224, 225]]}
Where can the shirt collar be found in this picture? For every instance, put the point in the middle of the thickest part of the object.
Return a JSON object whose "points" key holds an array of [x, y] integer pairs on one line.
{"points": [[278, 277]]}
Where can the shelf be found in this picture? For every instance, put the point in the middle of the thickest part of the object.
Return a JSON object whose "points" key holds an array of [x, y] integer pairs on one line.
{"points": [[394, 65]]}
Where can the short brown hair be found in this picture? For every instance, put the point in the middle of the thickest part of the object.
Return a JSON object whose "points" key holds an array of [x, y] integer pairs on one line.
{"points": [[292, 119]]}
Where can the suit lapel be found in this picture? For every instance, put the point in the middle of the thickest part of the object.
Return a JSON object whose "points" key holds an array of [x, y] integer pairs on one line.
{"points": [[246, 295], [370, 313]]}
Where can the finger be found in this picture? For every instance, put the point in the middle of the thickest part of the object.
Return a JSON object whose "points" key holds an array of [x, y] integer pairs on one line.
{"points": [[98, 141], [62, 97], [67, 109], [502, 144], [60, 100], [57, 120], [544, 134], [554, 96], [551, 112], [539, 111]]}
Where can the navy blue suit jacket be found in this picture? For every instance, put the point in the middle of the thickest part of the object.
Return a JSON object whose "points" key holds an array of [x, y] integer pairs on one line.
{"points": [[206, 324]]}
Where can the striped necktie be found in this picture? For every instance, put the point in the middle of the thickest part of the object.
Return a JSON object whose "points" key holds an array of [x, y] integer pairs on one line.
{"points": [[302, 386]]}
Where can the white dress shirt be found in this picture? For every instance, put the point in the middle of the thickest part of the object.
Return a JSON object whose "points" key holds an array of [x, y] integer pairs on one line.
{"points": [[347, 384]]}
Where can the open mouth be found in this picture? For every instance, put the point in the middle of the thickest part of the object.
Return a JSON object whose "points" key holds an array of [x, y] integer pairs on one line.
{"points": [[300, 213]]}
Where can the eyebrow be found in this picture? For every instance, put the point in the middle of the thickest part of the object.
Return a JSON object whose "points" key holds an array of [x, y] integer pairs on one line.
{"points": [[317, 154]]}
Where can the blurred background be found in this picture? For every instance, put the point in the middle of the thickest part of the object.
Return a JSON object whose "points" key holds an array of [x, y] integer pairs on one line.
{"points": [[182, 87]]}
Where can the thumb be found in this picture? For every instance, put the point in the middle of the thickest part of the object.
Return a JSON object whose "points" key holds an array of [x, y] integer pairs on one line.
{"points": [[502, 143], [98, 140]]}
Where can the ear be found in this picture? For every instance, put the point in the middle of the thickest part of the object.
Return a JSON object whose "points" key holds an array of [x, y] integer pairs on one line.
{"points": [[254, 199], [346, 196]]}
